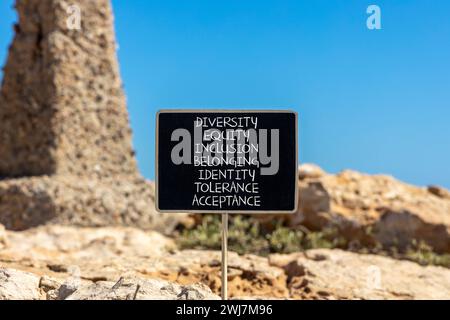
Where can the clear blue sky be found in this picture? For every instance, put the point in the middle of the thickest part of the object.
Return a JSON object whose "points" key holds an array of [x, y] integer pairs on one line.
{"points": [[375, 101]]}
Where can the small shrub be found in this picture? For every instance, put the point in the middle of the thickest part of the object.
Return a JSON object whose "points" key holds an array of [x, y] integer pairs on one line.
{"points": [[247, 235], [422, 253], [284, 240]]}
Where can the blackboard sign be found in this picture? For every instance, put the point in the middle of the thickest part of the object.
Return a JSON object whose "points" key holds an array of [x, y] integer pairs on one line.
{"points": [[226, 161]]}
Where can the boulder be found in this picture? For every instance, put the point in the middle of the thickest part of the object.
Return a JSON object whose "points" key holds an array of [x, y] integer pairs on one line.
{"points": [[337, 274], [18, 285], [310, 170], [375, 208], [248, 275], [136, 289], [61, 245], [439, 192]]}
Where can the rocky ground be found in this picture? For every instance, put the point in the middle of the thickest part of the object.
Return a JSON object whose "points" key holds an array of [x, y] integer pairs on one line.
{"points": [[60, 262], [73, 262]]}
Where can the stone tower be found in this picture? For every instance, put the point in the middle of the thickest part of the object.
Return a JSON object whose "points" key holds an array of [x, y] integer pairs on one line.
{"points": [[65, 143], [62, 108]]}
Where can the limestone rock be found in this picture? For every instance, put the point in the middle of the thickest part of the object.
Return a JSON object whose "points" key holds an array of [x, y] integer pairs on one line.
{"points": [[48, 284], [62, 107], [81, 201], [66, 290], [336, 274], [136, 289], [106, 254], [66, 151], [18, 285], [375, 208], [439, 192], [63, 244], [310, 170], [3, 238], [60, 262], [248, 275]]}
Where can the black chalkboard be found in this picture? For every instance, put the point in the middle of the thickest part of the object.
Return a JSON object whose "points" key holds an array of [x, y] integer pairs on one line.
{"points": [[226, 161]]}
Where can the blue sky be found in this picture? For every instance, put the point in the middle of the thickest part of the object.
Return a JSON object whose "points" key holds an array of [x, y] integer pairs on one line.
{"points": [[376, 101]]}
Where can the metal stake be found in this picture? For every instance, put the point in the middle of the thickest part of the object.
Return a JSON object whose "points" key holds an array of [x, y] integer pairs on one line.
{"points": [[225, 256]]}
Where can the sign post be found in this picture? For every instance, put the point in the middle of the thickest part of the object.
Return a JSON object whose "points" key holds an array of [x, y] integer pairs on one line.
{"points": [[226, 162], [225, 256]]}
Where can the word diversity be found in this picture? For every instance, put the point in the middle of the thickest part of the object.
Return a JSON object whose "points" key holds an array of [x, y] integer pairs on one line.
{"points": [[229, 153]]}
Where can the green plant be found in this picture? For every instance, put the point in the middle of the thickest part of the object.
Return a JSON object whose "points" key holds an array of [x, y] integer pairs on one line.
{"points": [[285, 240], [422, 253], [205, 235], [248, 235]]}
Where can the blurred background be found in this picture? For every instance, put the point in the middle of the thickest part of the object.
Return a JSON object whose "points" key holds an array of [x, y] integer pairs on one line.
{"points": [[376, 101]]}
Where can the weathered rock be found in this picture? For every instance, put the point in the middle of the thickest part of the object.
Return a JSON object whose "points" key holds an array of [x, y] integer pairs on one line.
{"points": [[439, 192], [310, 170], [48, 284], [106, 254], [61, 245], [135, 289], [82, 201], [66, 290], [18, 285], [62, 107], [336, 274], [65, 148], [64, 262], [249, 275], [110, 263], [374, 208], [3, 238]]}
